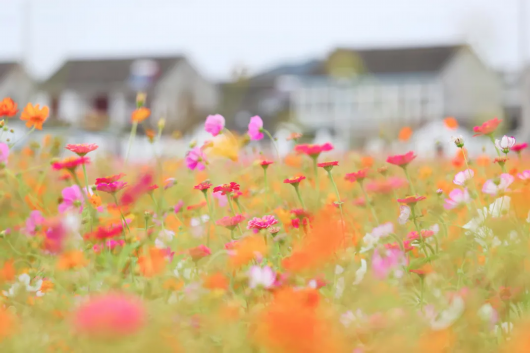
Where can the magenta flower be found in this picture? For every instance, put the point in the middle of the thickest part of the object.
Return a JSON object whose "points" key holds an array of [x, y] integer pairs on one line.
{"points": [[178, 206], [383, 264], [221, 199], [255, 128], [214, 124], [493, 187], [72, 198], [195, 159], [261, 277], [4, 152], [257, 224], [111, 188], [457, 197], [35, 220]]}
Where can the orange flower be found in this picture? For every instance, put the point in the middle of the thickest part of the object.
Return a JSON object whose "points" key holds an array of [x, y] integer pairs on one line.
{"points": [[245, 250], [46, 286], [71, 259], [95, 200], [140, 115], [367, 162], [216, 281], [35, 116], [483, 160], [153, 264], [8, 108], [151, 134], [450, 123], [405, 134], [7, 273], [7, 323]]}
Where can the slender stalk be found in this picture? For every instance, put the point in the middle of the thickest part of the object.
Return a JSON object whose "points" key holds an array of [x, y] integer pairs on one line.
{"points": [[369, 202], [121, 214], [23, 137], [274, 144], [299, 196], [131, 139], [410, 182], [233, 212], [339, 201], [315, 171], [422, 241], [209, 215], [92, 214]]}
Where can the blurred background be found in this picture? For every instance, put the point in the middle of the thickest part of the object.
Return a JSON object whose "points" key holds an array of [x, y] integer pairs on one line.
{"points": [[347, 71]]}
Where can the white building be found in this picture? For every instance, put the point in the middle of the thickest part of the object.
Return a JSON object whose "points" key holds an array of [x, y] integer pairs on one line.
{"points": [[383, 90], [15, 83], [99, 93]]}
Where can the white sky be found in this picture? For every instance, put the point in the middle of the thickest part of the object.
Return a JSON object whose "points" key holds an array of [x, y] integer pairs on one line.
{"points": [[217, 35]]}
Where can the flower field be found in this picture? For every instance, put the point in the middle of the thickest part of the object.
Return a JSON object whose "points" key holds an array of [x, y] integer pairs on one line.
{"points": [[234, 249]]}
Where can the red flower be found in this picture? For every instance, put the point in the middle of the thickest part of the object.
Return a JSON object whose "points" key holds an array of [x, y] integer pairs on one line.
{"points": [[205, 185], [328, 164], [425, 233], [135, 191], [8, 108], [70, 163], [487, 128], [411, 199], [111, 188], [196, 206], [519, 147], [359, 176], [300, 213], [101, 233], [109, 179], [294, 180], [152, 187], [395, 245], [265, 163], [313, 150], [230, 222], [82, 149], [401, 159], [199, 252], [236, 195], [226, 188]]}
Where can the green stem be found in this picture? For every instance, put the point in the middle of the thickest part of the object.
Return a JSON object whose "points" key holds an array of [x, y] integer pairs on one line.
{"points": [[410, 182], [121, 214], [274, 144], [339, 201], [315, 171], [92, 210], [422, 241], [369, 202], [299, 196], [131, 139], [23, 137], [210, 215], [233, 212]]}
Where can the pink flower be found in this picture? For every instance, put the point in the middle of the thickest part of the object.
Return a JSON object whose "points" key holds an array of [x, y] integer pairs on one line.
{"points": [[55, 236], [214, 124], [221, 199], [195, 159], [525, 175], [230, 222], [383, 230], [35, 220], [383, 264], [110, 316], [493, 187], [462, 177], [256, 224], [72, 198], [401, 160], [4, 152], [487, 128], [505, 143], [110, 244], [178, 206], [255, 128], [519, 147], [313, 151], [199, 252], [111, 188], [82, 149], [457, 197], [263, 277]]}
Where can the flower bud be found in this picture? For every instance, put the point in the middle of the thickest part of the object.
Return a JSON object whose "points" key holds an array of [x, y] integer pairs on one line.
{"points": [[140, 99], [458, 141], [2, 123], [193, 143], [161, 124]]}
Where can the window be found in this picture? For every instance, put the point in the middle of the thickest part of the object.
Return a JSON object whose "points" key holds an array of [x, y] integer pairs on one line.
{"points": [[54, 107], [101, 104]]}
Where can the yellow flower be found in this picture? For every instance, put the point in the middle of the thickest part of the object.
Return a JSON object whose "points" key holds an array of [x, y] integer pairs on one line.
{"points": [[226, 146]]}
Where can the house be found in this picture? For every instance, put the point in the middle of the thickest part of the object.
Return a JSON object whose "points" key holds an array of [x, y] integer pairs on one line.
{"points": [[360, 93], [15, 83], [98, 93], [266, 94]]}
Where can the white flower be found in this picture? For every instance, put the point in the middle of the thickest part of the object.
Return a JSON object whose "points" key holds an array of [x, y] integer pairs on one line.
{"points": [[261, 277], [359, 274], [339, 269], [164, 237], [450, 315], [505, 143], [507, 327], [347, 318], [462, 177], [383, 230], [458, 141], [404, 214], [24, 281], [339, 288], [435, 228]]}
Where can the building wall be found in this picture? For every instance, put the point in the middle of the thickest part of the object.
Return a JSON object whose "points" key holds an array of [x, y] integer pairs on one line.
{"points": [[18, 86], [472, 92]]}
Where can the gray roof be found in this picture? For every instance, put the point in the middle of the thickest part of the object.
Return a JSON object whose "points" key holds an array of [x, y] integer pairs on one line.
{"points": [[103, 71], [405, 60]]}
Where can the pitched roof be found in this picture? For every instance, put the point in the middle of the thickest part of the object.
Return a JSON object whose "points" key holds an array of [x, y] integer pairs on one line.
{"points": [[103, 71], [6, 67], [405, 60]]}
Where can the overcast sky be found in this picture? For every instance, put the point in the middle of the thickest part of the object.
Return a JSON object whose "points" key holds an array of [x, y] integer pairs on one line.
{"points": [[217, 35]]}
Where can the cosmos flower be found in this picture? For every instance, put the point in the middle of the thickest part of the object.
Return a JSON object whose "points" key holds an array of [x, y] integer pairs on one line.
{"points": [[34, 115], [261, 277], [214, 124], [72, 199], [457, 197], [195, 159], [493, 187], [8, 108], [255, 128], [462, 177], [505, 144]]}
